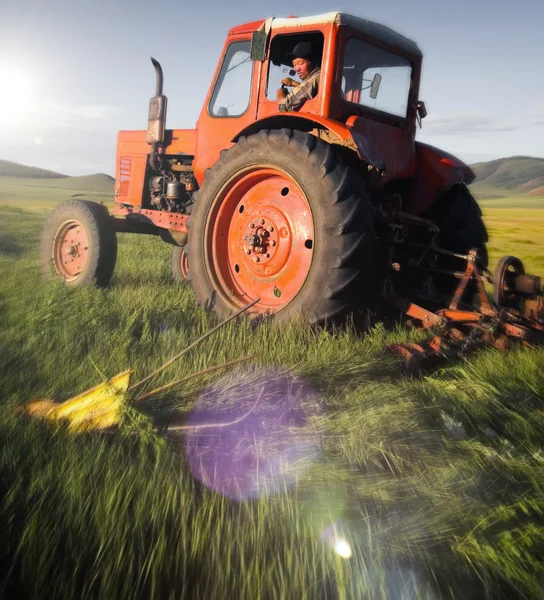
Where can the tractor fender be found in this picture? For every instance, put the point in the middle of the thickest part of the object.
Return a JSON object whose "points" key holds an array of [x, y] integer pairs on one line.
{"points": [[449, 168], [437, 171], [301, 122]]}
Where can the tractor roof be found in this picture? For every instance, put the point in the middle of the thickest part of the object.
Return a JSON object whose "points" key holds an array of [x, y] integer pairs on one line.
{"points": [[372, 30]]}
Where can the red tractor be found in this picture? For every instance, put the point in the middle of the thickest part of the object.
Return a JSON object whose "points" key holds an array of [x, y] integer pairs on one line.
{"points": [[315, 212]]}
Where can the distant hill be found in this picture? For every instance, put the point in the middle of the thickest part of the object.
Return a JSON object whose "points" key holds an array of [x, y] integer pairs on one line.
{"points": [[99, 182], [35, 192], [514, 176], [11, 169]]}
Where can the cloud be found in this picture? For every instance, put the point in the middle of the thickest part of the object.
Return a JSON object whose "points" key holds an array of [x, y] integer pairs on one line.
{"points": [[476, 123], [66, 114], [538, 114], [473, 123]]}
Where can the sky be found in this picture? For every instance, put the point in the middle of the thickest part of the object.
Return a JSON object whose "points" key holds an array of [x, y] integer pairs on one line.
{"points": [[74, 73]]}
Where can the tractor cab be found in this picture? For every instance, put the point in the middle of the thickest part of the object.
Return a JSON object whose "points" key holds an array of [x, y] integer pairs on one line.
{"points": [[368, 87]]}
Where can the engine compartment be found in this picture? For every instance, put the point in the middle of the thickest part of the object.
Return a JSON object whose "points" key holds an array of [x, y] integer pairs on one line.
{"points": [[170, 187]]}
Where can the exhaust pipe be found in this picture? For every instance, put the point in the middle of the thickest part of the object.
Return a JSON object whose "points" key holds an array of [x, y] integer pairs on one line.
{"points": [[158, 73], [156, 121]]}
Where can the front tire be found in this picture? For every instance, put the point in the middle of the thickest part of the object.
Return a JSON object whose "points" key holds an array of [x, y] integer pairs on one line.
{"points": [[180, 264], [281, 218], [78, 244]]}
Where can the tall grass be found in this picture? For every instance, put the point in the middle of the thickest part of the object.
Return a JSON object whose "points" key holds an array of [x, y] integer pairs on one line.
{"points": [[436, 485]]}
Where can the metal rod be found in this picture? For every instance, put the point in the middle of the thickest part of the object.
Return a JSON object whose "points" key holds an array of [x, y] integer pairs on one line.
{"points": [[192, 376], [191, 346], [221, 424], [426, 247]]}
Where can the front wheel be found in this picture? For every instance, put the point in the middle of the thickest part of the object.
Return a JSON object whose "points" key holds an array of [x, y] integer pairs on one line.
{"points": [[78, 244], [180, 264], [280, 217]]}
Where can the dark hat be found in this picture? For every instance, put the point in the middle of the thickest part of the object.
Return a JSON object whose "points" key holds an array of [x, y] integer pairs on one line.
{"points": [[302, 50]]}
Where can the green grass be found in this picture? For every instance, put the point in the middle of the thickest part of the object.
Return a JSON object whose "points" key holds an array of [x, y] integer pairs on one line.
{"points": [[512, 202], [35, 193], [519, 232], [438, 485]]}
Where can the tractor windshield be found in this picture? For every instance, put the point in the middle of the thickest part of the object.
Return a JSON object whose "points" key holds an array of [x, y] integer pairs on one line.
{"points": [[375, 78], [232, 91]]}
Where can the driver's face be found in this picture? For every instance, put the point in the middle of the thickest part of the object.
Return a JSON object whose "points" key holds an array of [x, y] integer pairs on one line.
{"points": [[302, 67]]}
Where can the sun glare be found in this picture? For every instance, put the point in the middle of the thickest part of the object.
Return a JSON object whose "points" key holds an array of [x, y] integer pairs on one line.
{"points": [[342, 548], [16, 92]]}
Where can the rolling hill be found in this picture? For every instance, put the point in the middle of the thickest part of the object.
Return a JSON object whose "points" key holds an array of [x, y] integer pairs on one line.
{"points": [[517, 176], [12, 169], [36, 188], [517, 181]]}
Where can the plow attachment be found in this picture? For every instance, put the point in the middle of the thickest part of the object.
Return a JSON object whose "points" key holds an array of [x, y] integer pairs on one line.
{"points": [[514, 315]]}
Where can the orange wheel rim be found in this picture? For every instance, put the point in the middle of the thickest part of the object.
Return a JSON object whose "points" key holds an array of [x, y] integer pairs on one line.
{"points": [[70, 251], [184, 266], [260, 240]]}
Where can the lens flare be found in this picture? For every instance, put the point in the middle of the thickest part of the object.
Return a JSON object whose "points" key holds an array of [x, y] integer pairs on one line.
{"points": [[16, 95], [263, 454], [342, 548]]}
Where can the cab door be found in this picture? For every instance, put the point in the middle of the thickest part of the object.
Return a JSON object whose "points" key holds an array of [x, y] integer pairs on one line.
{"points": [[377, 95], [230, 105]]}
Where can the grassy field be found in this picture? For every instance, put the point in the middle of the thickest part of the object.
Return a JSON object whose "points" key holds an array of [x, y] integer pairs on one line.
{"points": [[437, 486], [44, 194]]}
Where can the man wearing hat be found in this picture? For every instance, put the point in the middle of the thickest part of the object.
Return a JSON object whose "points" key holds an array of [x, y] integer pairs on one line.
{"points": [[305, 65]]}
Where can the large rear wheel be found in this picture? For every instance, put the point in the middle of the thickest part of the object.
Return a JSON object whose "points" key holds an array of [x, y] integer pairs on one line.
{"points": [[78, 244], [281, 218], [459, 219]]}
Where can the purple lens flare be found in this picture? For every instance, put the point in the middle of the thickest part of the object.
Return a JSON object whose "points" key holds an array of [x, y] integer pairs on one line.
{"points": [[267, 451]]}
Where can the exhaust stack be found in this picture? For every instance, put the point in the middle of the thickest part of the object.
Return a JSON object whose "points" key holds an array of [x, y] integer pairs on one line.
{"points": [[156, 122]]}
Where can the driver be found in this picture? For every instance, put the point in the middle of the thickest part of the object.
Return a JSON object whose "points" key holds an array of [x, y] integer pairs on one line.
{"points": [[305, 64]]}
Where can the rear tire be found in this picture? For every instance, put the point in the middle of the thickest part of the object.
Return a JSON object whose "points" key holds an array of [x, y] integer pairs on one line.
{"points": [[459, 218], [79, 244], [313, 222]]}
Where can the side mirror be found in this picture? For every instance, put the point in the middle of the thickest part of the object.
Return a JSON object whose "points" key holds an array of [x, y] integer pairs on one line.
{"points": [[375, 86], [421, 113], [421, 110], [156, 120], [258, 45], [259, 41]]}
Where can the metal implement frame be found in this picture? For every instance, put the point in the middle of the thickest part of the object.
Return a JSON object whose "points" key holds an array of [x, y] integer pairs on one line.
{"points": [[460, 330]]}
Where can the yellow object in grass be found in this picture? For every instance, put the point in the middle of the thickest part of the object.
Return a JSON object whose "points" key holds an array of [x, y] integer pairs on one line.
{"points": [[97, 408]]}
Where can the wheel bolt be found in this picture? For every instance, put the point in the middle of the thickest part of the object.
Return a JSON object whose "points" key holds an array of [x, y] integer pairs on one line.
{"points": [[252, 225], [256, 259], [248, 252], [262, 221], [267, 255], [273, 243], [271, 229]]}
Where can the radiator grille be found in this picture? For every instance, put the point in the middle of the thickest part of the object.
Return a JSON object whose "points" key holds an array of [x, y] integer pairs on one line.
{"points": [[125, 167]]}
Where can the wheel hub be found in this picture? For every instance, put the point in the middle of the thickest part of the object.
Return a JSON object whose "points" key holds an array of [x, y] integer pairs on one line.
{"points": [[263, 240], [263, 245], [70, 250]]}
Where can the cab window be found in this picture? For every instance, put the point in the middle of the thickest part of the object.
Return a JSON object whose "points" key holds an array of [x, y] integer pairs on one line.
{"points": [[375, 78], [281, 65], [232, 91]]}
